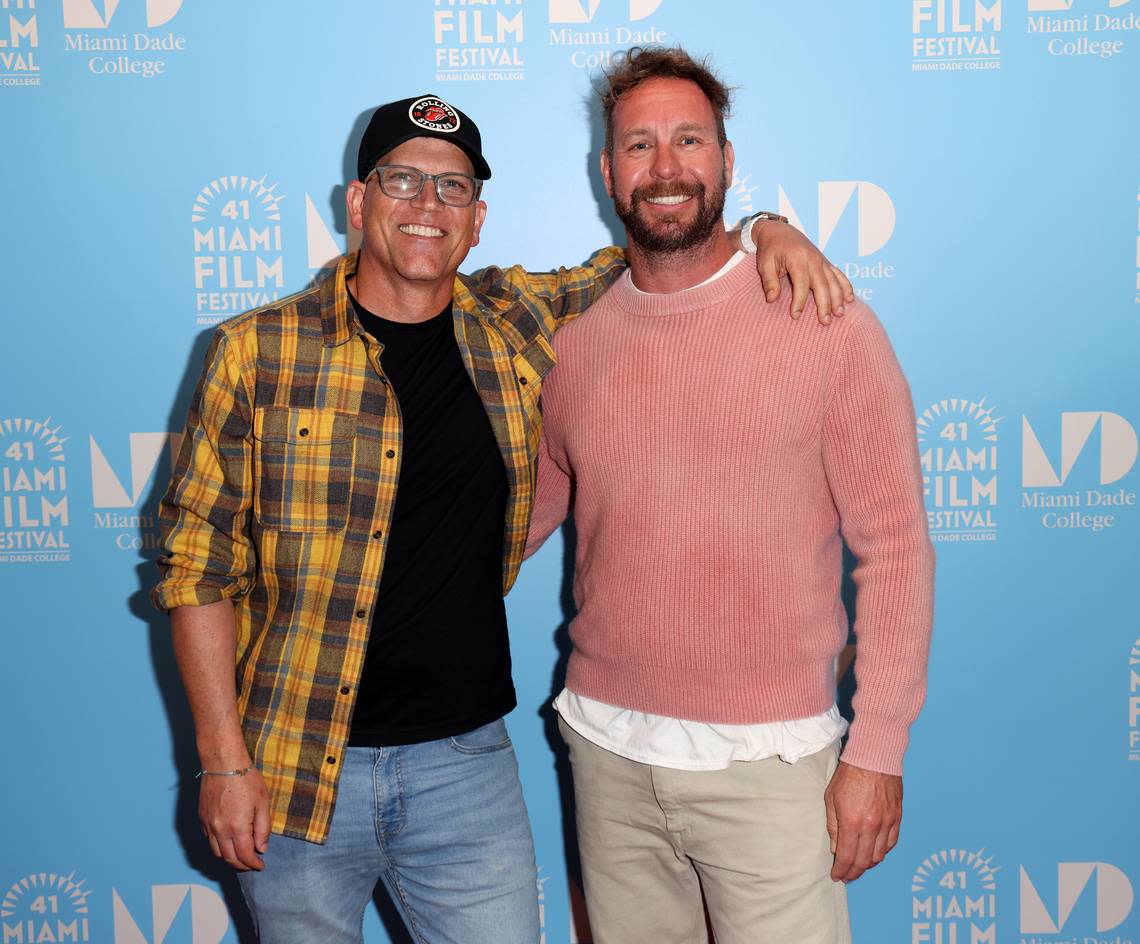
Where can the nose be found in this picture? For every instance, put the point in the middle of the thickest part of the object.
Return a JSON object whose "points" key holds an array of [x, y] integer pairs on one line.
{"points": [[665, 164], [427, 198]]}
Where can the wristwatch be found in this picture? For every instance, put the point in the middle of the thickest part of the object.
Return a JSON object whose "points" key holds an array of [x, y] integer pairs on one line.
{"points": [[746, 242]]}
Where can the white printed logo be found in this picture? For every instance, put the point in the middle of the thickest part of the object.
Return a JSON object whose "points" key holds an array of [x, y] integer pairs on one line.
{"points": [[481, 43], [1118, 449], [954, 899], [34, 513], [89, 14], [1113, 897], [876, 212], [324, 248], [1134, 702], [955, 35], [238, 260], [208, 916], [18, 66], [1087, 32], [136, 529], [959, 468], [874, 219], [577, 11], [45, 906]]}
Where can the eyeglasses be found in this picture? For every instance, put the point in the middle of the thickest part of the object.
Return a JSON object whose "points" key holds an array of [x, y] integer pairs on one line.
{"points": [[406, 183]]}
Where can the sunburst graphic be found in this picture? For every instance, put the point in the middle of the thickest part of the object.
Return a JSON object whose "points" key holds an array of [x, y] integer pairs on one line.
{"points": [[46, 883], [949, 858], [41, 429], [743, 191], [257, 189], [976, 410]]}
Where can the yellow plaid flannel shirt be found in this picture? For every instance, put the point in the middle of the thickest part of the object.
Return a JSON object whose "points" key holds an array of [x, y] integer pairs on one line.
{"points": [[282, 493]]}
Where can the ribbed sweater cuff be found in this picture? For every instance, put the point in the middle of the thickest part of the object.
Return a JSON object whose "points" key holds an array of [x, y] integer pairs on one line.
{"points": [[878, 744]]}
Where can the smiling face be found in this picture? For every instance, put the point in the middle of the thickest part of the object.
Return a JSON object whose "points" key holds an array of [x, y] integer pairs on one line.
{"points": [[421, 242], [667, 172]]}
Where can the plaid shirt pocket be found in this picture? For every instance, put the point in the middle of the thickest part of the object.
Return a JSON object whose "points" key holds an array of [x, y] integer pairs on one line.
{"points": [[303, 461]]}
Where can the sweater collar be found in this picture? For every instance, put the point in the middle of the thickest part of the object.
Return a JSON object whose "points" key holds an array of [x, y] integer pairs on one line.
{"points": [[740, 277]]}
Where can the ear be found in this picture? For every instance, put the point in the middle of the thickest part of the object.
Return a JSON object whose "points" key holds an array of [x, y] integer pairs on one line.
{"points": [[729, 162], [607, 171], [480, 215], [354, 203]]}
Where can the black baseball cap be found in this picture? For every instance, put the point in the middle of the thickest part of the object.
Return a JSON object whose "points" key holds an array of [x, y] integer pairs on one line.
{"points": [[426, 116]]}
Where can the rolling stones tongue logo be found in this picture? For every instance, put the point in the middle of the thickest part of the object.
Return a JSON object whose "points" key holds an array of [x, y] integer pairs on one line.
{"points": [[434, 114]]}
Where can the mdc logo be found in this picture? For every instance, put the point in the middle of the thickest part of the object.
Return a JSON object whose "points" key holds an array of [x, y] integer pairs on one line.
{"points": [[207, 916], [1118, 449], [1113, 897], [876, 212], [86, 14], [577, 11], [107, 490]]}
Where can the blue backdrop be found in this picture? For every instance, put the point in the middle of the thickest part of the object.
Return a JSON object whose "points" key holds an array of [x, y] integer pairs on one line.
{"points": [[972, 164]]}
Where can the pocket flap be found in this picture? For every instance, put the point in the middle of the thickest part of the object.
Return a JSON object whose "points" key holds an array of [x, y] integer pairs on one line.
{"points": [[302, 427], [534, 361]]}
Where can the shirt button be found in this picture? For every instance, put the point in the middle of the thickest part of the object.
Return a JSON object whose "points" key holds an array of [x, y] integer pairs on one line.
{"points": [[391, 453], [377, 534], [384, 381], [344, 689], [522, 380], [360, 614], [330, 759], [302, 431]]}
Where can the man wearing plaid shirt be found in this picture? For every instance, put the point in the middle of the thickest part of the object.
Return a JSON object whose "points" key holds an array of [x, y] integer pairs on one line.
{"points": [[348, 508]]}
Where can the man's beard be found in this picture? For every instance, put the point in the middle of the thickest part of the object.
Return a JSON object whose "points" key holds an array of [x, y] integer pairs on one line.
{"points": [[671, 236]]}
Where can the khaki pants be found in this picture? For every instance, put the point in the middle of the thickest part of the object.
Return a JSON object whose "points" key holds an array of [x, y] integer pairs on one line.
{"points": [[752, 838]]}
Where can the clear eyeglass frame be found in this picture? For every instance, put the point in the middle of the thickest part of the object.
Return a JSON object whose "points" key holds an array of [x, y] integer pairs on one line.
{"points": [[406, 183]]}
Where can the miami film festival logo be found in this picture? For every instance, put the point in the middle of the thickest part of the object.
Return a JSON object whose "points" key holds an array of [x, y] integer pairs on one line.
{"points": [[958, 448], [202, 907], [18, 44], [954, 899], [591, 39], [479, 40], [1092, 898], [1087, 29], [117, 505], [33, 492], [238, 260], [955, 35], [1066, 472], [113, 43], [45, 906], [1134, 702], [871, 224]]}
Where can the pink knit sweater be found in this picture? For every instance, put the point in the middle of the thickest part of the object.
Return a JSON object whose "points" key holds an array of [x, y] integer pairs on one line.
{"points": [[716, 448]]}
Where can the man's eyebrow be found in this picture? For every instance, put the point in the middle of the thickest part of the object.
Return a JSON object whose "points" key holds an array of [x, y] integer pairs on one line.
{"points": [[686, 126]]}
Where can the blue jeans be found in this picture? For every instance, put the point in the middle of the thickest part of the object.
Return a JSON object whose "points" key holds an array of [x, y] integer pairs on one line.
{"points": [[442, 824]]}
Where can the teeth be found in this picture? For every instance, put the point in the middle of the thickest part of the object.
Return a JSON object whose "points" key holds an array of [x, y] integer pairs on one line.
{"points": [[415, 229], [669, 201]]}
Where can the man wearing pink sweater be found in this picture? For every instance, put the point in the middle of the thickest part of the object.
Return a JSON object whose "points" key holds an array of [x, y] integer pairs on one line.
{"points": [[712, 452]]}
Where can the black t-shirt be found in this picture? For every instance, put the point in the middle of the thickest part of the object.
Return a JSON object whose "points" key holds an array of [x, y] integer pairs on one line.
{"points": [[438, 661]]}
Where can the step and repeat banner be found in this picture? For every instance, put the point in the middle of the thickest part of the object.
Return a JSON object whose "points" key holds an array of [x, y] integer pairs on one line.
{"points": [[971, 164]]}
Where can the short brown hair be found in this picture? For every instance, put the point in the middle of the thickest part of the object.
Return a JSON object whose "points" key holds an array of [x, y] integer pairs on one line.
{"points": [[639, 63]]}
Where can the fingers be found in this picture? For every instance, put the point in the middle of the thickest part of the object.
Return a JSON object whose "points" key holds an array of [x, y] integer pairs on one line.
{"points": [[844, 284], [832, 821], [769, 275], [846, 848], [801, 284], [261, 826], [821, 291], [835, 290]]}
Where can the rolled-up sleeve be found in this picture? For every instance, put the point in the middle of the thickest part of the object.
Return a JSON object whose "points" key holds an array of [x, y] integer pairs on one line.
{"points": [[204, 516]]}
